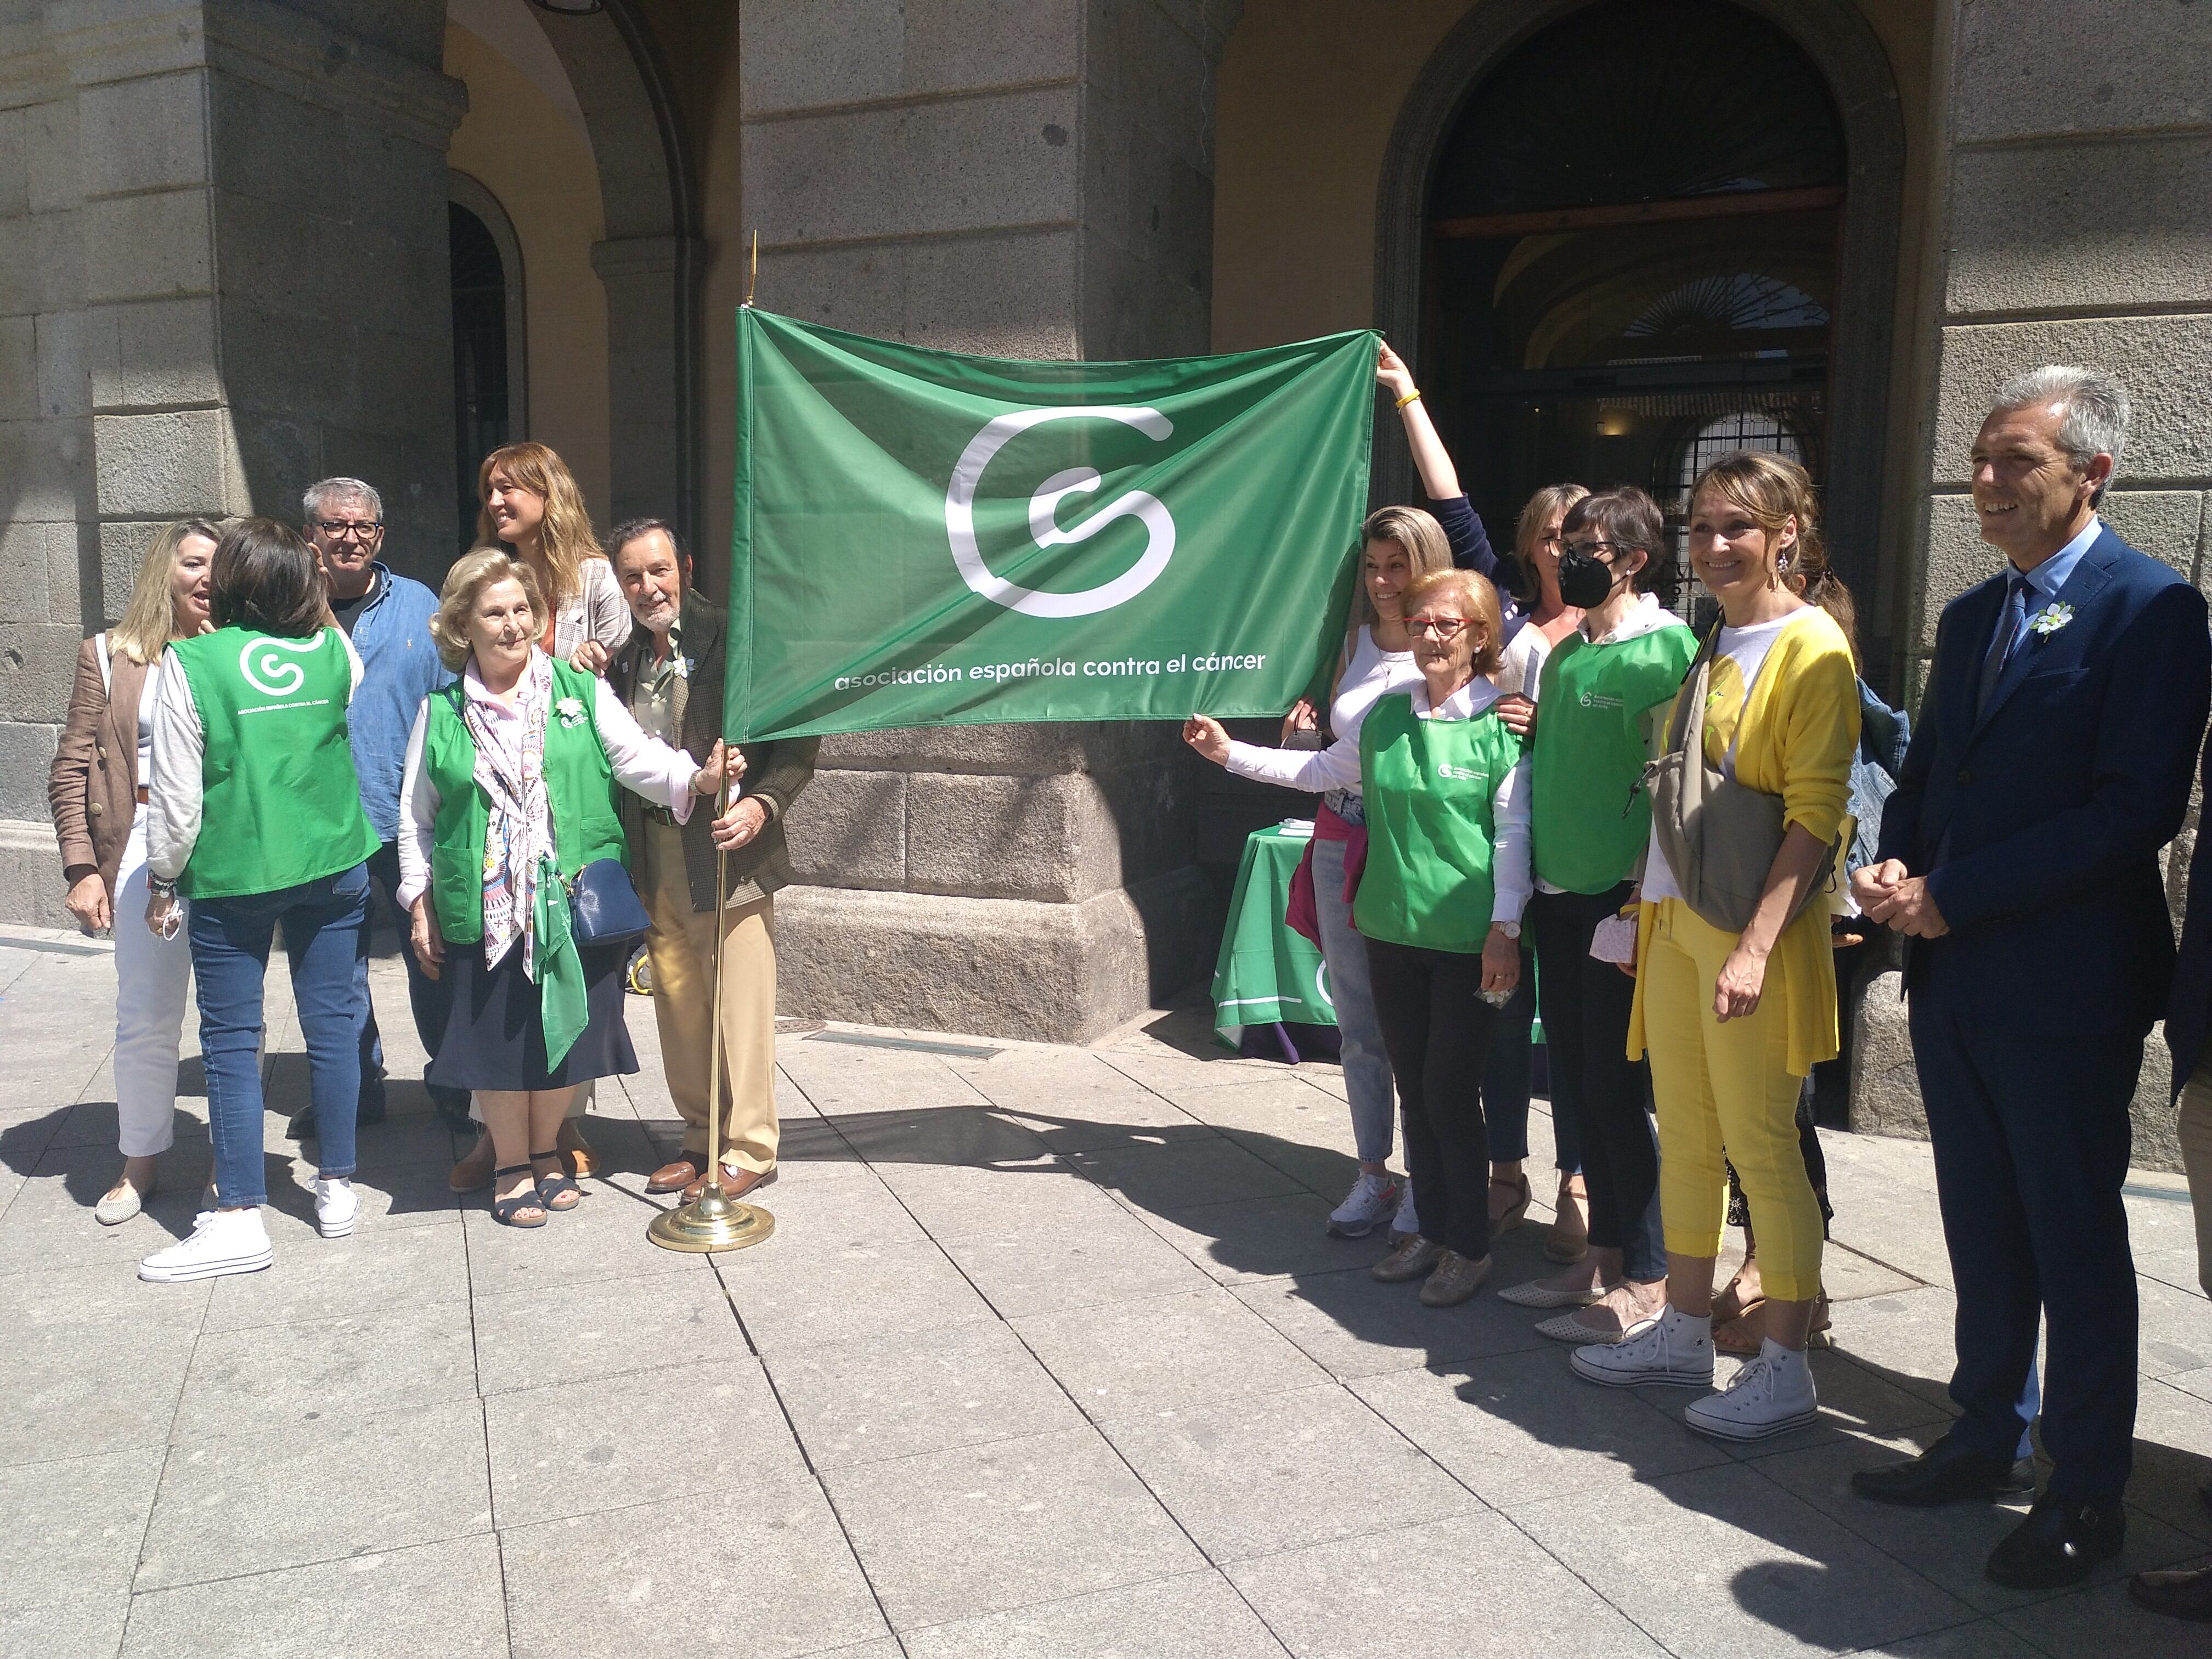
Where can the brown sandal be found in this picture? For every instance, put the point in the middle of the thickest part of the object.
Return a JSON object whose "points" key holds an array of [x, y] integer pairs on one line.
{"points": [[1511, 1219], [1743, 1335]]}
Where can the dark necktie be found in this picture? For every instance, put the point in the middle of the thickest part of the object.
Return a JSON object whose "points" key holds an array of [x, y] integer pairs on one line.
{"points": [[2009, 621]]}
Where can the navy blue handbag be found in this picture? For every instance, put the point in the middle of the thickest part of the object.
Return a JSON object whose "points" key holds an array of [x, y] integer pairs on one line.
{"points": [[603, 906]]}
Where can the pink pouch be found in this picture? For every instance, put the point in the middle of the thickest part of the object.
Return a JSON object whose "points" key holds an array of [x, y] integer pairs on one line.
{"points": [[1300, 912]]}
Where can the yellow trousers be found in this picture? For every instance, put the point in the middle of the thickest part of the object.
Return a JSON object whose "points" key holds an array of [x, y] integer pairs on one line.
{"points": [[1726, 1088], [2192, 1126], [682, 947]]}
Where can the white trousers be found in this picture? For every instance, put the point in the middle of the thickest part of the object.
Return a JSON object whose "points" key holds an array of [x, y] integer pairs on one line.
{"points": [[153, 979]]}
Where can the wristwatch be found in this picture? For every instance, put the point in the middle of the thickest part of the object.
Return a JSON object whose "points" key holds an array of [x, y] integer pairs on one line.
{"points": [[1510, 929]]}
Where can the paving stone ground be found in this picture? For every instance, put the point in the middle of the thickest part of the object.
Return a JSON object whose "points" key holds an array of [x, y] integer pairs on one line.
{"points": [[1049, 1356]]}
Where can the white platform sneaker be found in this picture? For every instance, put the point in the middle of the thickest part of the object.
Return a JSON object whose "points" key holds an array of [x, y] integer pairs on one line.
{"points": [[1372, 1200], [1771, 1394], [1671, 1348], [338, 1206], [222, 1242], [1406, 1224]]}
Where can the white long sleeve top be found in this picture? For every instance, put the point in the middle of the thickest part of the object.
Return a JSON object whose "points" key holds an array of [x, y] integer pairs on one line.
{"points": [[641, 763], [1337, 767], [175, 787]]}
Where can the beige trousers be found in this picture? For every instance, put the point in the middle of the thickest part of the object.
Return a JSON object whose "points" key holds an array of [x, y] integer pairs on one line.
{"points": [[2192, 1126], [681, 947]]}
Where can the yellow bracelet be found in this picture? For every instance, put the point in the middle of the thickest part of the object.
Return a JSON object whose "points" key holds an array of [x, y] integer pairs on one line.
{"points": [[1409, 396]]}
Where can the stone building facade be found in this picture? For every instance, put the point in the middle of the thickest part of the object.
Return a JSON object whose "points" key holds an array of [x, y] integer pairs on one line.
{"points": [[231, 242]]}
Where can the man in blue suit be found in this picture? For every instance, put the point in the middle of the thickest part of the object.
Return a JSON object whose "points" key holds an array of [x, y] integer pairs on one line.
{"points": [[2051, 761]]}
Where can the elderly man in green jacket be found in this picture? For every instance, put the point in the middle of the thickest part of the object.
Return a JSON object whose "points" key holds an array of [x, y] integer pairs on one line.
{"points": [[669, 674]]}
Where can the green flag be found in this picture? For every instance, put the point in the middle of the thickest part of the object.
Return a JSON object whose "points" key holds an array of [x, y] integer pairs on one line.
{"points": [[929, 539]]}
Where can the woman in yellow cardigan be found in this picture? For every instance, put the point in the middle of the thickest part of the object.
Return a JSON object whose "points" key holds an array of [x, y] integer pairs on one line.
{"points": [[1733, 1022]]}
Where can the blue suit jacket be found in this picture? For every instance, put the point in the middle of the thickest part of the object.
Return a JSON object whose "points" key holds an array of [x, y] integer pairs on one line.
{"points": [[2038, 825]]}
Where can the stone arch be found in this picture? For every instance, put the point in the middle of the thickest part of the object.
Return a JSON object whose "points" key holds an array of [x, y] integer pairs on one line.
{"points": [[1842, 46], [649, 262]]}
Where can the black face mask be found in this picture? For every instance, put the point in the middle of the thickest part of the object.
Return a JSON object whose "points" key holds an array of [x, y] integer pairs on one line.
{"points": [[1585, 580]]}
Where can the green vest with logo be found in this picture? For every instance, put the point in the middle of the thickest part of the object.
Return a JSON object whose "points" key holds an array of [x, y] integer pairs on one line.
{"points": [[1587, 822], [1429, 786], [579, 787], [281, 801]]}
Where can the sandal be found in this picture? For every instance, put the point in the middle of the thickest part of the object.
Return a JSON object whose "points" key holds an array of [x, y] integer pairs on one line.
{"points": [[1510, 1218], [552, 1188], [1745, 1333], [1568, 1241], [505, 1210], [1730, 1305]]}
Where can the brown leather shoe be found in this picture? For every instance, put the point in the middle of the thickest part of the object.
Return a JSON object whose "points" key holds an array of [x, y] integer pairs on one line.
{"points": [[473, 1172], [684, 1170], [736, 1182]]}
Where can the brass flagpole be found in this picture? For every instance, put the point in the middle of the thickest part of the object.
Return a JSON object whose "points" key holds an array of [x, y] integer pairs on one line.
{"points": [[711, 1222]]}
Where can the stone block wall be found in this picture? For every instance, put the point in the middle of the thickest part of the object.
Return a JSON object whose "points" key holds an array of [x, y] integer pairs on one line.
{"points": [[223, 275], [1022, 180], [2078, 228]]}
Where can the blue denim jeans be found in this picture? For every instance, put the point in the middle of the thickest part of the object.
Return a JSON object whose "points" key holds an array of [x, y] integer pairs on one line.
{"points": [[230, 939], [1366, 1067], [430, 1001]]}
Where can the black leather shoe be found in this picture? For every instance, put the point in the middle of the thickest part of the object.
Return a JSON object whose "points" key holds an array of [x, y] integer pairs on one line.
{"points": [[2183, 1595], [2059, 1543], [1947, 1472]]}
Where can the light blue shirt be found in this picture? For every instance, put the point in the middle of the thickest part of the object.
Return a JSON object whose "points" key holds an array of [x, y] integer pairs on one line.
{"points": [[2047, 578]]}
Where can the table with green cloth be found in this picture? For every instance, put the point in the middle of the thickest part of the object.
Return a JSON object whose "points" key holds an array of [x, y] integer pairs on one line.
{"points": [[1265, 973]]}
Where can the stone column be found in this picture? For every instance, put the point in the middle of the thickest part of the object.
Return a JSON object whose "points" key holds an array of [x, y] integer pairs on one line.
{"points": [[223, 275], [1023, 178], [2079, 229]]}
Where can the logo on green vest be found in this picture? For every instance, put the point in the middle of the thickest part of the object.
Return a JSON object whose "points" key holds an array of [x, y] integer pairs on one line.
{"points": [[1601, 699], [960, 516], [267, 673], [1470, 774]]}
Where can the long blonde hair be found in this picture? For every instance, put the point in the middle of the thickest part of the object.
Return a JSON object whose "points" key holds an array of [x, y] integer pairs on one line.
{"points": [[565, 535], [1772, 490], [149, 621], [1413, 533], [1552, 498]]}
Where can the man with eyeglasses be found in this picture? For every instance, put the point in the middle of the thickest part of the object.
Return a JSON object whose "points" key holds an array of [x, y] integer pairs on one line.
{"points": [[387, 616]]}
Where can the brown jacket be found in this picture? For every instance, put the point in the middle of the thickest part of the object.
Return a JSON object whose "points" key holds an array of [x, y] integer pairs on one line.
{"points": [[93, 784], [774, 772]]}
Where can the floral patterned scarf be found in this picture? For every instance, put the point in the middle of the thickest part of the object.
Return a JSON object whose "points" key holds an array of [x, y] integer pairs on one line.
{"points": [[520, 830]]}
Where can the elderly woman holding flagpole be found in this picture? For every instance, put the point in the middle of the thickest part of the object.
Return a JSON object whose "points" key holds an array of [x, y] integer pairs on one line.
{"points": [[509, 796]]}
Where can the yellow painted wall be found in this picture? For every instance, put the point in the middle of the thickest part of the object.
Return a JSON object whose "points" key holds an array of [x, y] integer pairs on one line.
{"points": [[518, 145]]}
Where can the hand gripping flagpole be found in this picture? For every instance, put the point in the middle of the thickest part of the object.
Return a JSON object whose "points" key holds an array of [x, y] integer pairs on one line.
{"points": [[711, 1222]]}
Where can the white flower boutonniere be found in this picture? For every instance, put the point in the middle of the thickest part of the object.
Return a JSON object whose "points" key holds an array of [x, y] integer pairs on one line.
{"points": [[571, 711], [683, 668], [2053, 617]]}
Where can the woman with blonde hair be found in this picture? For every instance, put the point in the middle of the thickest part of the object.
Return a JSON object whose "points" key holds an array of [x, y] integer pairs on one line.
{"points": [[529, 504], [509, 794], [96, 786], [1734, 1017], [1445, 790]]}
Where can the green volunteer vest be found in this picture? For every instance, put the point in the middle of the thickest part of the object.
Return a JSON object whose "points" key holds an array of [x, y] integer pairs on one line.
{"points": [[1429, 786], [579, 785], [281, 801], [1587, 822]]}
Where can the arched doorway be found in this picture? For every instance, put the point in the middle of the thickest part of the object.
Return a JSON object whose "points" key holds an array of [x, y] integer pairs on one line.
{"points": [[490, 400], [1623, 236]]}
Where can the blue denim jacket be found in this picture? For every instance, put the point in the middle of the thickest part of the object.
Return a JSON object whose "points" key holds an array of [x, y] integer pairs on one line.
{"points": [[399, 668]]}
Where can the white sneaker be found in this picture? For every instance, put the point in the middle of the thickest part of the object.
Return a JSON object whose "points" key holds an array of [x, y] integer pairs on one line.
{"points": [[1372, 1201], [1405, 1224], [338, 1206], [222, 1242], [1771, 1394], [1671, 1348]]}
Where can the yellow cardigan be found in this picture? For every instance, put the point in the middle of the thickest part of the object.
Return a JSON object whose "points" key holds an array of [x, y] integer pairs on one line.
{"points": [[1798, 735]]}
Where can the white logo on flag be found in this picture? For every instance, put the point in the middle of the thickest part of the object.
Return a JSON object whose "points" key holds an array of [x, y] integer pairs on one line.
{"points": [[960, 516], [259, 658]]}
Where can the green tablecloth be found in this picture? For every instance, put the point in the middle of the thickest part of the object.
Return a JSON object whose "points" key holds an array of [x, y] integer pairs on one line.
{"points": [[1266, 973]]}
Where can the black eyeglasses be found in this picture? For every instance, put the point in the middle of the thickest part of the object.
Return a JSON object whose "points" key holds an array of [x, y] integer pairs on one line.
{"points": [[347, 527], [1595, 550]]}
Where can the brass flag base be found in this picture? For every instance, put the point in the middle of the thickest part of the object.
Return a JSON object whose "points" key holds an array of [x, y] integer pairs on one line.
{"points": [[711, 1223]]}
